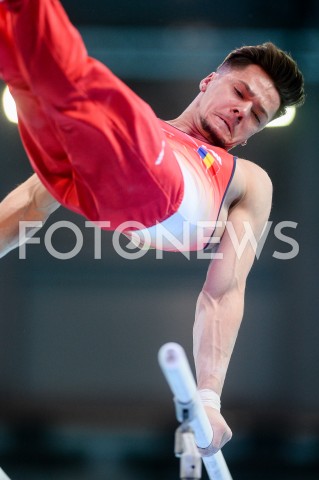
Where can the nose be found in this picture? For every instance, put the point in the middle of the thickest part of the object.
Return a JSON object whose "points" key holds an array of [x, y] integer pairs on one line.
{"points": [[241, 111], [237, 114]]}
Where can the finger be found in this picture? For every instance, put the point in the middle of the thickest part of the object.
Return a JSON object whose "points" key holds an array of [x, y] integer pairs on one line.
{"points": [[208, 451], [217, 444], [226, 437]]}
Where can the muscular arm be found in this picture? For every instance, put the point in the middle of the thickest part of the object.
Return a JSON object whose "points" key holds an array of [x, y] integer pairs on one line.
{"points": [[29, 201], [220, 304]]}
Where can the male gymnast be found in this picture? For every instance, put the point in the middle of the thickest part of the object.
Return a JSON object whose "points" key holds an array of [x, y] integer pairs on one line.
{"points": [[99, 150]]}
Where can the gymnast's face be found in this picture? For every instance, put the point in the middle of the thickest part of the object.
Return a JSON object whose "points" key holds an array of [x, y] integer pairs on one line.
{"points": [[234, 104]]}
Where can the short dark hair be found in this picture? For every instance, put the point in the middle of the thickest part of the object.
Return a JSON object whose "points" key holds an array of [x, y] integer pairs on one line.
{"points": [[280, 67]]}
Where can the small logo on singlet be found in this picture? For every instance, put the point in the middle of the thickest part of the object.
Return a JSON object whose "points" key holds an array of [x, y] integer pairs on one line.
{"points": [[160, 157], [208, 157]]}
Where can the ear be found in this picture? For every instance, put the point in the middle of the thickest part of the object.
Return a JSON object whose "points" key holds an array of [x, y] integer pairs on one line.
{"points": [[206, 81]]}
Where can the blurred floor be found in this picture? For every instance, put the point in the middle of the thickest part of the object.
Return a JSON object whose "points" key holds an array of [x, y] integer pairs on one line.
{"points": [[75, 454]]}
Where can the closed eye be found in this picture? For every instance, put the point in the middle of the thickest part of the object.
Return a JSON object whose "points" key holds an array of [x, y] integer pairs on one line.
{"points": [[238, 92], [256, 117]]}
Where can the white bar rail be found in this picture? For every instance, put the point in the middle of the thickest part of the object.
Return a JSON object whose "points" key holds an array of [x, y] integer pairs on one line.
{"points": [[3, 476], [176, 369]]}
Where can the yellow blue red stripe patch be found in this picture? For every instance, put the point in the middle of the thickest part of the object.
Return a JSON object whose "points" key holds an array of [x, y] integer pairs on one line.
{"points": [[206, 156]]}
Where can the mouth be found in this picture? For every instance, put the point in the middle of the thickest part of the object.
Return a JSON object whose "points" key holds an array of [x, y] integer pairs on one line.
{"points": [[226, 123]]}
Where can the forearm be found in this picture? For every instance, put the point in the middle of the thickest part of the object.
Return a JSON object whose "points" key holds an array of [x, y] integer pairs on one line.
{"points": [[10, 237], [10, 218], [28, 202], [216, 326]]}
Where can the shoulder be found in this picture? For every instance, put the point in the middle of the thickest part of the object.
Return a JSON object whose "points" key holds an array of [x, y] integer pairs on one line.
{"points": [[254, 171], [256, 189], [255, 180]]}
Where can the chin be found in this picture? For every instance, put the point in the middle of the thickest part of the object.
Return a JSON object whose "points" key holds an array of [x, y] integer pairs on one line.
{"points": [[217, 141], [211, 135]]}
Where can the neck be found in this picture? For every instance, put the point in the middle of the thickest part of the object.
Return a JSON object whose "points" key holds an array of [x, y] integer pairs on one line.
{"points": [[187, 124]]}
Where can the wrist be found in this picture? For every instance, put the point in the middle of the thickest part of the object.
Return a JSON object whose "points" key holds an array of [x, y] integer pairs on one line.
{"points": [[209, 398]]}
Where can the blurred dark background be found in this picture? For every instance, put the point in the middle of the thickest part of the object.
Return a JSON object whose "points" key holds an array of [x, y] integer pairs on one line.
{"points": [[82, 395]]}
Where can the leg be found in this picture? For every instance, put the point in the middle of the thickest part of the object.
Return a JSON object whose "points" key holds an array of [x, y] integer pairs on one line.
{"points": [[35, 127], [111, 137]]}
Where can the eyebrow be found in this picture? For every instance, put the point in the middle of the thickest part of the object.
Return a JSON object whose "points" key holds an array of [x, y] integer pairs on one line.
{"points": [[253, 94]]}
